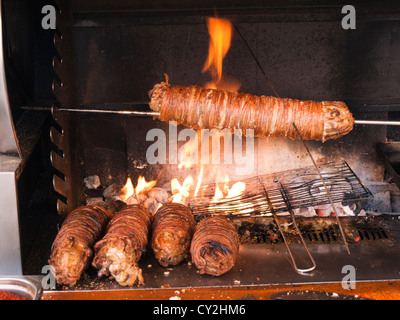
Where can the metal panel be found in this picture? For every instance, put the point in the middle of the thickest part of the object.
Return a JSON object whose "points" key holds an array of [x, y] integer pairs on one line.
{"points": [[8, 139], [10, 253], [66, 161], [65, 137]]}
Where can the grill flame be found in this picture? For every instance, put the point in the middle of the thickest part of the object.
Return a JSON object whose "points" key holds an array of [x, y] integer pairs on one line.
{"points": [[220, 31], [142, 186], [181, 192], [127, 190]]}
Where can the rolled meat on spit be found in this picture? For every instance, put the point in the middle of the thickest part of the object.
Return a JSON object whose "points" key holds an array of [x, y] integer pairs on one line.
{"points": [[173, 228], [119, 251], [200, 108], [71, 250], [215, 246]]}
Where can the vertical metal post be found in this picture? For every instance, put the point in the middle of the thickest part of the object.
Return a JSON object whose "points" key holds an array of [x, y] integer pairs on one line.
{"points": [[10, 247], [8, 138], [10, 159]]}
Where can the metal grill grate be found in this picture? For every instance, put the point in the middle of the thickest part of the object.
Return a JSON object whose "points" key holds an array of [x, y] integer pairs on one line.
{"points": [[280, 192], [252, 233]]}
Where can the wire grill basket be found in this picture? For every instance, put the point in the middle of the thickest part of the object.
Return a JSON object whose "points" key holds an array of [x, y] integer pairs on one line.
{"points": [[280, 192]]}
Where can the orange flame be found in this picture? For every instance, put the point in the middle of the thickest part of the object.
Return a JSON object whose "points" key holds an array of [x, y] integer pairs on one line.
{"points": [[236, 190], [181, 192], [223, 191], [220, 31], [127, 190], [142, 187]]}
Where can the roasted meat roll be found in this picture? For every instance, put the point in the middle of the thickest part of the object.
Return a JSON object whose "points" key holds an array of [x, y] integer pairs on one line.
{"points": [[201, 108], [173, 228], [215, 245], [72, 248], [118, 253]]}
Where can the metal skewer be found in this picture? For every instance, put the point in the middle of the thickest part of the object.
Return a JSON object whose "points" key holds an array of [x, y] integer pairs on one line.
{"points": [[122, 112], [108, 111], [378, 122], [157, 114]]}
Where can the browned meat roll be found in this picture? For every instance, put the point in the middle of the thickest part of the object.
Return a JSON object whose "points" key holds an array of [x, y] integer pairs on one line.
{"points": [[118, 253], [215, 245], [173, 228], [71, 250], [201, 108]]}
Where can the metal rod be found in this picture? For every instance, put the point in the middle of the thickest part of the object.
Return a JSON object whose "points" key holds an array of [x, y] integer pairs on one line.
{"points": [[378, 122], [256, 61], [326, 189], [157, 114], [122, 112], [289, 207]]}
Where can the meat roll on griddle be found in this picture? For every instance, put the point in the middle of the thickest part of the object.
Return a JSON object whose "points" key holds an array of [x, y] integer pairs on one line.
{"points": [[71, 250], [215, 245], [118, 253], [173, 228]]}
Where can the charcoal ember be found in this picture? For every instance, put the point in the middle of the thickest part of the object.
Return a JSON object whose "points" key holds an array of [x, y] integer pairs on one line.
{"points": [[306, 212], [152, 205], [98, 201], [92, 182], [132, 200], [159, 194], [349, 209], [115, 205], [141, 197], [344, 210], [323, 210], [310, 212], [139, 164], [362, 213], [327, 210], [113, 191]]}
